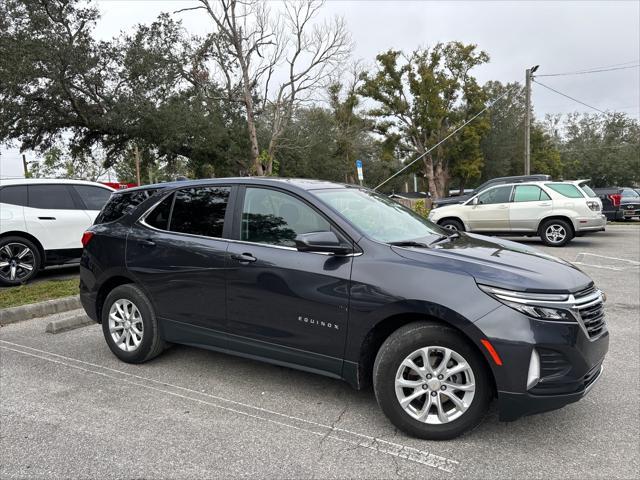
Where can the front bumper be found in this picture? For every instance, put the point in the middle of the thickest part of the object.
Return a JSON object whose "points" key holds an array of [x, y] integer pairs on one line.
{"points": [[570, 361], [630, 210]]}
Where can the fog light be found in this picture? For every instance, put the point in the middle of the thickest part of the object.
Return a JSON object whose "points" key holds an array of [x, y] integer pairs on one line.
{"points": [[534, 370]]}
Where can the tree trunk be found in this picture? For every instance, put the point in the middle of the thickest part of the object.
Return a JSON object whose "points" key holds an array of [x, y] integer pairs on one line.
{"points": [[429, 173], [251, 122]]}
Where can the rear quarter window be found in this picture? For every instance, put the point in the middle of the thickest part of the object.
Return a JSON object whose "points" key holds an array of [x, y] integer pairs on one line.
{"points": [[122, 203], [566, 189], [94, 198], [14, 195]]}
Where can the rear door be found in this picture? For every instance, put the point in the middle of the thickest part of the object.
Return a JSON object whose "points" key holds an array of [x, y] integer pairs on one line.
{"points": [[177, 251], [56, 218], [491, 213], [530, 205]]}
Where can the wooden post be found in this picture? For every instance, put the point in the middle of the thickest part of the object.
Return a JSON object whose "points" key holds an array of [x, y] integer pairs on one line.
{"points": [[25, 165], [137, 152]]}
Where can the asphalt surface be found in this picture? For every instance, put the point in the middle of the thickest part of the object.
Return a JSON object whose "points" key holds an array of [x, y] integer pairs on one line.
{"points": [[70, 409]]}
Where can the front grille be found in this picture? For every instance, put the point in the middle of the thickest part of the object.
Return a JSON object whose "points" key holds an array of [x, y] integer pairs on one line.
{"points": [[590, 307]]}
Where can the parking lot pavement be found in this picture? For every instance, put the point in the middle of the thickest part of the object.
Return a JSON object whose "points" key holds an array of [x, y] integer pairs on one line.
{"points": [[69, 408]]}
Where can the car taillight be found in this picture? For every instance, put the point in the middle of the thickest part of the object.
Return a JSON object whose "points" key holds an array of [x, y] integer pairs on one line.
{"points": [[595, 206], [615, 199], [86, 238]]}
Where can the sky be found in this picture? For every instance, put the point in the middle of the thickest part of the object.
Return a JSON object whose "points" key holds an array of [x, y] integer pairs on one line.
{"points": [[560, 36]]}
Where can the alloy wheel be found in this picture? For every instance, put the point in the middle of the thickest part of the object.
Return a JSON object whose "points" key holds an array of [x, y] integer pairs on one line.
{"points": [[555, 233], [125, 325], [450, 226], [435, 385], [17, 262]]}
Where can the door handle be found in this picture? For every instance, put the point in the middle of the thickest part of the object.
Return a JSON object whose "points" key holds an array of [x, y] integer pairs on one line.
{"points": [[244, 258], [147, 242], [546, 204], [46, 218]]}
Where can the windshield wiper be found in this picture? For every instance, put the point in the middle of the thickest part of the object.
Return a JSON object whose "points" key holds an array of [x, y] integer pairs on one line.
{"points": [[409, 243], [451, 236]]}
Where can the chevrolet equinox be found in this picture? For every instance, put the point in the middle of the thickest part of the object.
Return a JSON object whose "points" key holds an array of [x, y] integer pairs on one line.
{"points": [[341, 281]]}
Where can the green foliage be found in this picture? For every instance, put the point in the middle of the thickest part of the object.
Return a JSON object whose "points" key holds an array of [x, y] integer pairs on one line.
{"points": [[423, 97], [421, 209]]}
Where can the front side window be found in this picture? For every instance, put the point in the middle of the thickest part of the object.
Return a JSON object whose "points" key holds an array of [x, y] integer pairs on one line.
{"points": [[566, 190], [14, 195], [94, 198], [377, 216], [529, 193], [51, 197], [200, 211], [495, 195], [276, 218]]}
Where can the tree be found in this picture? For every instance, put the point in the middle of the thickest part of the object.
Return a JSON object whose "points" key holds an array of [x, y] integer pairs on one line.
{"points": [[58, 164], [424, 97], [251, 45]]}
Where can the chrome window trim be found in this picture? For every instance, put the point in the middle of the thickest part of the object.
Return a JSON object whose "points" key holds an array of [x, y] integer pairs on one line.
{"points": [[143, 217]]}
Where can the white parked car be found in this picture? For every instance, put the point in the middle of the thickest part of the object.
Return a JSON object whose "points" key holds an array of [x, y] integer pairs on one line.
{"points": [[556, 211], [42, 222]]}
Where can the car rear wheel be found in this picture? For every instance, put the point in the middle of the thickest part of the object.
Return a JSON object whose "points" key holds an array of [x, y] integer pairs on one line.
{"points": [[556, 232], [130, 326], [430, 382], [19, 260], [452, 224]]}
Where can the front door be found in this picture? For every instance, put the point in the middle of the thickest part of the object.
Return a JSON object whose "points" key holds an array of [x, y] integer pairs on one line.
{"points": [[278, 295], [178, 255], [491, 213]]}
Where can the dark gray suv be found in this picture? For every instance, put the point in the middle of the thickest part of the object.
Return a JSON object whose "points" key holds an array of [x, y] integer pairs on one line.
{"points": [[341, 281]]}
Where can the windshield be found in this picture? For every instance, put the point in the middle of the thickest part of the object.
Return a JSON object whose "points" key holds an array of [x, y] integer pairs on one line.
{"points": [[587, 189], [627, 192], [377, 216]]}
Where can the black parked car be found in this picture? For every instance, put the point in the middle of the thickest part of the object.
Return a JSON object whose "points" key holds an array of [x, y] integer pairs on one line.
{"points": [[341, 281], [452, 200], [619, 203]]}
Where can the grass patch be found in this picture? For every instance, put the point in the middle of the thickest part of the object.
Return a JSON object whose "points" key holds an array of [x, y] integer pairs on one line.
{"points": [[37, 292]]}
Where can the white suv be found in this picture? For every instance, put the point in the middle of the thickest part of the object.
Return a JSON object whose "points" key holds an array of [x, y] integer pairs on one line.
{"points": [[557, 211], [42, 222]]}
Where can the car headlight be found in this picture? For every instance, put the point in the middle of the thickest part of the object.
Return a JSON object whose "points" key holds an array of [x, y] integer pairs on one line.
{"points": [[546, 306]]}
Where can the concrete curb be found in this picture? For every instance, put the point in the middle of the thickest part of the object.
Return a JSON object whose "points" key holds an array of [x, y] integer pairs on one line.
{"points": [[41, 309], [62, 322]]}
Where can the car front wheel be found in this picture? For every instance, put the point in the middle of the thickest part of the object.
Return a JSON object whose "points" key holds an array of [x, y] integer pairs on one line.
{"points": [[430, 382], [452, 224], [130, 326]]}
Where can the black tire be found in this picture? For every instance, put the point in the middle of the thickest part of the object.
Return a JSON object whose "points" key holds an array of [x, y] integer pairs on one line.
{"points": [[397, 348], [558, 225], [10, 248], [452, 224], [151, 344]]}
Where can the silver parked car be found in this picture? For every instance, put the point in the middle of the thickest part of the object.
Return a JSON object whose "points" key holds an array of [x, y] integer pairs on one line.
{"points": [[556, 211]]}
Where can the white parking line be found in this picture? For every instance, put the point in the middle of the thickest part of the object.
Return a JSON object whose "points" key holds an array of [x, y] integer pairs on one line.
{"points": [[326, 431], [583, 254]]}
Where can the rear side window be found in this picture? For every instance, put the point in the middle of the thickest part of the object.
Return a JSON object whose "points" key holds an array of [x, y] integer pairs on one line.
{"points": [[14, 195], [200, 211], [51, 197], [122, 203], [566, 189], [159, 216], [529, 193], [93, 198], [587, 189]]}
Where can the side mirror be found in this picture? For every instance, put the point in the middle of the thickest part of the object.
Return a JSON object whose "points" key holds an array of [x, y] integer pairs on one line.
{"points": [[475, 201], [323, 242]]}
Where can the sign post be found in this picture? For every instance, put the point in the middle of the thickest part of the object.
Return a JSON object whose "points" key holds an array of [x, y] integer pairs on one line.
{"points": [[359, 168]]}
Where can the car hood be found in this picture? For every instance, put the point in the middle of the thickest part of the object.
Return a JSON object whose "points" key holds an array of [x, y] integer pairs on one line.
{"points": [[452, 200], [500, 263], [630, 201]]}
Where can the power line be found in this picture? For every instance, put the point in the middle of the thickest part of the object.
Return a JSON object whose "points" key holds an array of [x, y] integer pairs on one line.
{"points": [[448, 136], [569, 97], [584, 72]]}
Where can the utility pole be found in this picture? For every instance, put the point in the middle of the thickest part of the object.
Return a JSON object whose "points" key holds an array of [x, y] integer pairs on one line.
{"points": [[137, 153], [527, 119]]}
